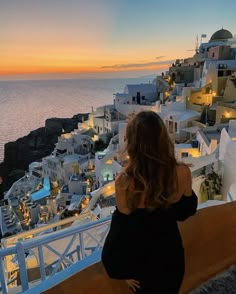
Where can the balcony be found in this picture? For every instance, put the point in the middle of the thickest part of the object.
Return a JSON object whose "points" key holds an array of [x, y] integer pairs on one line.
{"points": [[209, 238]]}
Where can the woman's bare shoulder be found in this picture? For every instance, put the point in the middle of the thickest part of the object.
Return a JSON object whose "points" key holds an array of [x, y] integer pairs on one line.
{"points": [[183, 170], [121, 181]]}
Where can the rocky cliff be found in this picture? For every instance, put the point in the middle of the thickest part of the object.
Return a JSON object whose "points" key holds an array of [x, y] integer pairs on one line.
{"points": [[37, 144]]}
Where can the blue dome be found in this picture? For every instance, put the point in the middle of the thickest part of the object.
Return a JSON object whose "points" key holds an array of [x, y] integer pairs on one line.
{"points": [[221, 35]]}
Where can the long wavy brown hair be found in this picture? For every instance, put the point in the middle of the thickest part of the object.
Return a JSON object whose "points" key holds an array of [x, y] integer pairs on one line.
{"points": [[151, 167]]}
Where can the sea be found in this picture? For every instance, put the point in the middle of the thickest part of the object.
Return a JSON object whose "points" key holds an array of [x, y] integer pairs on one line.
{"points": [[26, 104]]}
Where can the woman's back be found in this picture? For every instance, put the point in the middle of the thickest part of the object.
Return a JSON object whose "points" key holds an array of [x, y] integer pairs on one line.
{"points": [[123, 192], [146, 245], [152, 193]]}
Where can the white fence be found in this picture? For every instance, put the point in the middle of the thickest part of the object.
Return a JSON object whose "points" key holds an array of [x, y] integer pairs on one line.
{"points": [[52, 253]]}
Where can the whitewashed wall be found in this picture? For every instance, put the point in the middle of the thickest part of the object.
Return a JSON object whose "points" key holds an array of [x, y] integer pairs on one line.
{"points": [[127, 109], [229, 164]]}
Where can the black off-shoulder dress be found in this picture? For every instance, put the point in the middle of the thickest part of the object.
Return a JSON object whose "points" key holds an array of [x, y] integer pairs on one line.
{"points": [[146, 245]]}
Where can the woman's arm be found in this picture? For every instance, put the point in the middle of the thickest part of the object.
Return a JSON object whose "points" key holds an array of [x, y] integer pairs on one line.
{"points": [[121, 190], [186, 204], [184, 182]]}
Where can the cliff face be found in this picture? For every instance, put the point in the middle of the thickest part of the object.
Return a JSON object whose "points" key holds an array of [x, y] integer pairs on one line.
{"points": [[37, 144]]}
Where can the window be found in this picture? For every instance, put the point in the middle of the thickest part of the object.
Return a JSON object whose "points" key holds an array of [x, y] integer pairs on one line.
{"points": [[184, 154], [195, 144]]}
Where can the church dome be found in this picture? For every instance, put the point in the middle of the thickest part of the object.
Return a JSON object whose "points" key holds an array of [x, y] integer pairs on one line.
{"points": [[221, 35]]}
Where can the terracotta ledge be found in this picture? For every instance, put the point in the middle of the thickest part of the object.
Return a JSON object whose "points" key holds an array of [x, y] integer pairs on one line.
{"points": [[209, 239]]}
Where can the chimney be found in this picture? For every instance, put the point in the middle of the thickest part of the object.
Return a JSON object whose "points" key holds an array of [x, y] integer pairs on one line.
{"points": [[138, 97]]}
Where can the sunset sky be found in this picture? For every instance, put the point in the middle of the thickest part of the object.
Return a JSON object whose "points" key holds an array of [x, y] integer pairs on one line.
{"points": [[110, 37]]}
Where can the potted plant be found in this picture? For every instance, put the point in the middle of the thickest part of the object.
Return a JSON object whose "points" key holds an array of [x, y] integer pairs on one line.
{"points": [[211, 186], [215, 185]]}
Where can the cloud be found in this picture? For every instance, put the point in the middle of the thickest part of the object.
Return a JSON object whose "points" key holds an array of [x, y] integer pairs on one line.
{"points": [[160, 57], [132, 65]]}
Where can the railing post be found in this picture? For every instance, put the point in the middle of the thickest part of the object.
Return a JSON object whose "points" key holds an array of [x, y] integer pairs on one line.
{"points": [[82, 248], [2, 278], [78, 252], [41, 263], [22, 267]]}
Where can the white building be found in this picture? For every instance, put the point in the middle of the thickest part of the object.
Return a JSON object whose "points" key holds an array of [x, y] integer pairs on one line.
{"points": [[108, 120], [107, 164], [53, 168], [136, 98], [74, 143], [130, 109], [227, 156], [175, 121], [140, 94], [185, 150], [215, 69]]}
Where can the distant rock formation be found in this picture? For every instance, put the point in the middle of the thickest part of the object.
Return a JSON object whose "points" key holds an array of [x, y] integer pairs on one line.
{"points": [[37, 144]]}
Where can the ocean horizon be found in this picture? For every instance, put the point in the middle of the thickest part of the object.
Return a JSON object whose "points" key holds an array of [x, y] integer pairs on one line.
{"points": [[26, 104]]}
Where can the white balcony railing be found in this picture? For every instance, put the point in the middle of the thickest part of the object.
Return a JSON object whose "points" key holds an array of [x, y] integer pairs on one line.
{"points": [[50, 253]]}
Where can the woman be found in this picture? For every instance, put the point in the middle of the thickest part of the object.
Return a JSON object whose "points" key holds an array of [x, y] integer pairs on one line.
{"points": [[144, 246]]}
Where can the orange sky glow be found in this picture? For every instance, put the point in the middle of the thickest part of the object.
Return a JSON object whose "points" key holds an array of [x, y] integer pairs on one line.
{"points": [[101, 36], [29, 61], [30, 57]]}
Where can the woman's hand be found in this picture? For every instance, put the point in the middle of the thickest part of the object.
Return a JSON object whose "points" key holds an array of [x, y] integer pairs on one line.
{"points": [[133, 284]]}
